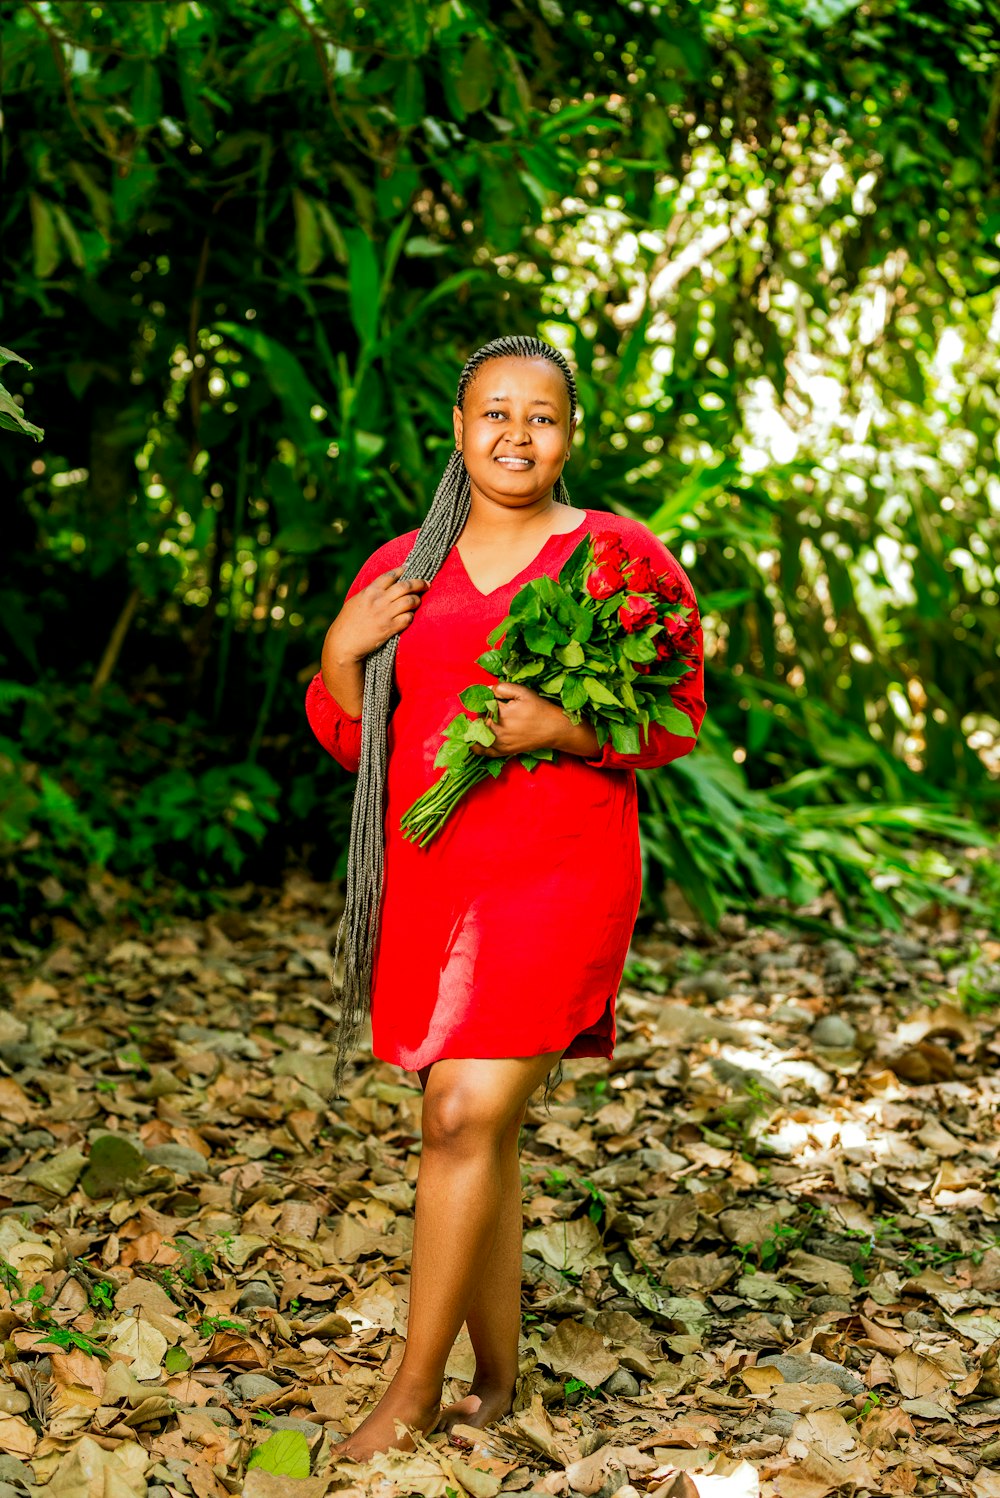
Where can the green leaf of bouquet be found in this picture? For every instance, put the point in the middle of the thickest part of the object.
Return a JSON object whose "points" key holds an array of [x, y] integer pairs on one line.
{"points": [[529, 761], [476, 698], [639, 648], [625, 738], [501, 629], [572, 571], [672, 718], [610, 606], [627, 695], [598, 692], [477, 732], [456, 728], [546, 754], [286, 1454], [530, 668], [524, 604], [667, 675], [491, 661], [581, 622], [553, 687], [452, 755], [494, 766], [540, 639], [574, 695], [571, 655]]}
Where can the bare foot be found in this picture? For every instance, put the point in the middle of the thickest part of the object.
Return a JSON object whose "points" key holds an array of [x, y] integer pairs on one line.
{"points": [[377, 1431], [480, 1407]]}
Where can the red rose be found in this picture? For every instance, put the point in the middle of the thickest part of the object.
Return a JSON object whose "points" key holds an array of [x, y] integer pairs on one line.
{"points": [[604, 581], [689, 644], [636, 613], [609, 551], [641, 577], [643, 667], [671, 589], [678, 638]]}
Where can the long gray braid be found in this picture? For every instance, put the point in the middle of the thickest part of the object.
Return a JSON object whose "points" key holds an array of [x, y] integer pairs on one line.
{"points": [[442, 527]]}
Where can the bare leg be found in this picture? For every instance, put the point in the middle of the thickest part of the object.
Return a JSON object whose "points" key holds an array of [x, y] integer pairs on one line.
{"points": [[493, 1315], [469, 1109]]}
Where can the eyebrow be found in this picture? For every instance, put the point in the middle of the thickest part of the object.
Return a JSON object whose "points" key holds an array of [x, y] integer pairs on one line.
{"points": [[533, 403]]}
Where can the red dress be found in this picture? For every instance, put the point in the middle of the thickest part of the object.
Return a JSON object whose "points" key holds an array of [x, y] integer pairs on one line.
{"points": [[507, 934]]}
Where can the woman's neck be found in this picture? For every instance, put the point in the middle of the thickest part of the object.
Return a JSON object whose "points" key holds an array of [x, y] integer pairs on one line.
{"points": [[491, 521]]}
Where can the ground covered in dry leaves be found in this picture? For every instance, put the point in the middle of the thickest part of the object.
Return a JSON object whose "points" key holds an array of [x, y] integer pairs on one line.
{"points": [[761, 1246]]}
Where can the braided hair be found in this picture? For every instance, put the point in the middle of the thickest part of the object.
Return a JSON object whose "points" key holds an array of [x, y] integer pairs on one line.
{"points": [[442, 526]]}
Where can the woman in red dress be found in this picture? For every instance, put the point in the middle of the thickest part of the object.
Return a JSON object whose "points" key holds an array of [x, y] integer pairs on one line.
{"points": [[496, 950]]}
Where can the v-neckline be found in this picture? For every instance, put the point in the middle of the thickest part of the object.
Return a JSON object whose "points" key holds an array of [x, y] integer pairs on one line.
{"points": [[555, 536]]}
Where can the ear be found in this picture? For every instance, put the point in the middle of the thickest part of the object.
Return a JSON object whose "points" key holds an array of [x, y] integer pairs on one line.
{"points": [[456, 416]]}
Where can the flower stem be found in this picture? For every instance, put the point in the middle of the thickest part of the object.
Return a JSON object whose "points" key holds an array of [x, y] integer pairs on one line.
{"points": [[428, 814]]}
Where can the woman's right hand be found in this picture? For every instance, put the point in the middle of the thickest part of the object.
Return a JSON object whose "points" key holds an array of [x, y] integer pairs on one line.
{"points": [[375, 613]]}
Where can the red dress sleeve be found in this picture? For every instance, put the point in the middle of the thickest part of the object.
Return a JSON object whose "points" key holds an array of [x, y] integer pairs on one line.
{"points": [[338, 731], [661, 746]]}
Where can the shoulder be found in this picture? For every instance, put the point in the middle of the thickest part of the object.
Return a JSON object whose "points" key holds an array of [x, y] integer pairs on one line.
{"points": [[390, 554]]}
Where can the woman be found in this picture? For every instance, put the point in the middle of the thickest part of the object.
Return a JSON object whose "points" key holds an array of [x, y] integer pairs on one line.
{"points": [[497, 949]]}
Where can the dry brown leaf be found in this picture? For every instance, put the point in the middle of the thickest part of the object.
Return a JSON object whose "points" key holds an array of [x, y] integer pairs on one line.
{"points": [[917, 1377], [574, 1246], [534, 1428], [836, 1279], [884, 1338], [579, 1351], [826, 1428], [240, 1352], [798, 1399], [261, 1484], [141, 1346], [884, 1427], [16, 1436]]}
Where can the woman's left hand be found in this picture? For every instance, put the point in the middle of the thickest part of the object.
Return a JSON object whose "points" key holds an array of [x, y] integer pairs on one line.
{"points": [[526, 722]]}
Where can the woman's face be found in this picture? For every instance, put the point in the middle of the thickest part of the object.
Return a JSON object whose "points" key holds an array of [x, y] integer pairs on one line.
{"points": [[515, 429]]}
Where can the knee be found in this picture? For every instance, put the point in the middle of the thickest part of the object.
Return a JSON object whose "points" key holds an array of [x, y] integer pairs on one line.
{"points": [[458, 1122]]}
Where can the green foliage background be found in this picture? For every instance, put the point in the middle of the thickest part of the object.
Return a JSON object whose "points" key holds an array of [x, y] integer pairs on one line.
{"points": [[249, 246]]}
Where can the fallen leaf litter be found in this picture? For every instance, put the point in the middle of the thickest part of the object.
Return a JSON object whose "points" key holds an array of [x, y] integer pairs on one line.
{"points": [[762, 1250]]}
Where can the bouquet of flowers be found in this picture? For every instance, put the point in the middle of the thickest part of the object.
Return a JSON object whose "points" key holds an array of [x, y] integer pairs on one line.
{"points": [[606, 639]]}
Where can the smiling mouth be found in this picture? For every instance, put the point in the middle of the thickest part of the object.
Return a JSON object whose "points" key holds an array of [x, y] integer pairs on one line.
{"points": [[516, 462]]}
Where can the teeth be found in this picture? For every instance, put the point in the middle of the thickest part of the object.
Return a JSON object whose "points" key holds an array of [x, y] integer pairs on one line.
{"points": [[516, 462]]}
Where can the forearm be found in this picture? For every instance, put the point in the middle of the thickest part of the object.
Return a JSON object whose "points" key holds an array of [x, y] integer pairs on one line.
{"points": [[343, 674], [578, 738]]}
